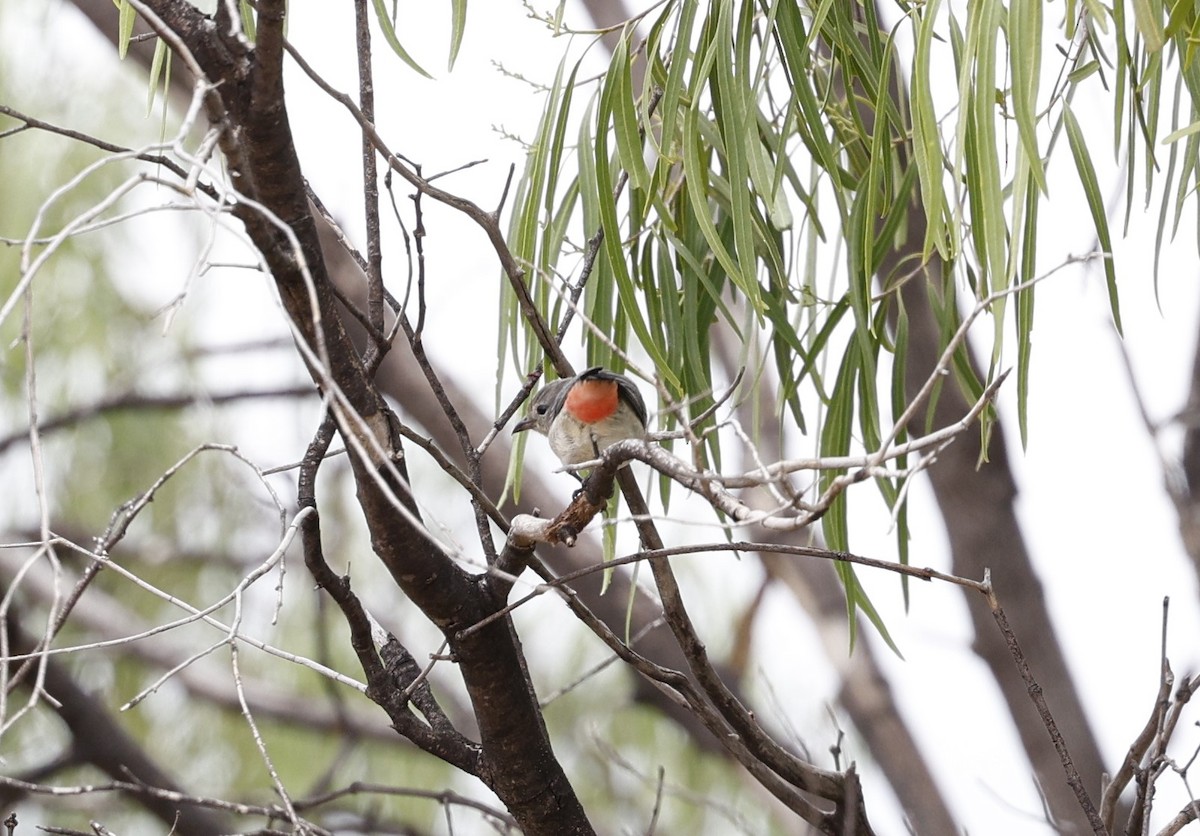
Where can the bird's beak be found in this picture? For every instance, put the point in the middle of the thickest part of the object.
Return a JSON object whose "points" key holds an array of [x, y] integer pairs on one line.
{"points": [[523, 424]]}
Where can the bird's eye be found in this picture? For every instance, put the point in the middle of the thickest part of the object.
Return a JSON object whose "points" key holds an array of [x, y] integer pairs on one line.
{"points": [[541, 408]]}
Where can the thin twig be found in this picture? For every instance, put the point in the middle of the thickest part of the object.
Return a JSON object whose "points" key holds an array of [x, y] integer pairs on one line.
{"points": [[1039, 701]]}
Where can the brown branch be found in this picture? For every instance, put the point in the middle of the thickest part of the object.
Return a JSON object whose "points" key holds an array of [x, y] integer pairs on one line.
{"points": [[518, 763], [132, 402], [1035, 694], [528, 531], [366, 98], [677, 686], [112, 148], [486, 221], [389, 670], [442, 797], [1141, 744]]}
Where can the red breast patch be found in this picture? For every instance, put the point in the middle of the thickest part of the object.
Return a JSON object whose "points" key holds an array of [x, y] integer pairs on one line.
{"points": [[592, 400]]}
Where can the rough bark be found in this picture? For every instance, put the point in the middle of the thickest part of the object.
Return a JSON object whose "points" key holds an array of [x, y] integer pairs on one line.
{"points": [[400, 378], [250, 106]]}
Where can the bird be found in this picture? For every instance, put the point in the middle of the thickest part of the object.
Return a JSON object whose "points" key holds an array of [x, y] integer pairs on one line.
{"points": [[583, 415]]}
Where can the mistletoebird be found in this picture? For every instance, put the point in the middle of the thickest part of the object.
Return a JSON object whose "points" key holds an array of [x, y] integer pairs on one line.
{"points": [[583, 415]]}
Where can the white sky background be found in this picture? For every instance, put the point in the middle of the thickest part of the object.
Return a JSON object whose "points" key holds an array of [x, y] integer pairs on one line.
{"points": [[1098, 523]]}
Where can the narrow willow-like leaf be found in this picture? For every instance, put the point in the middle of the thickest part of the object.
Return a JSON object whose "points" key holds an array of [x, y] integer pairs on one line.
{"points": [[792, 35], [458, 27], [1121, 85], [732, 99], [619, 91], [1095, 200], [535, 192], [854, 588], [767, 182], [1147, 14], [508, 334], [868, 397], [1186, 184], [389, 35], [1152, 80], [657, 292], [1175, 136], [944, 304], [539, 177], [606, 203], [1164, 208], [691, 259], [553, 233], [903, 538], [126, 16], [600, 306], [608, 549], [877, 180], [589, 184], [856, 41], [249, 23], [775, 146], [1025, 61], [691, 326], [899, 403], [835, 441], [861, 273], [926, 137], [984, 188], [697, 172], [897, 215], [593, 193], [673, 91], [1024, 308], [157, 63], [1082, 72]]}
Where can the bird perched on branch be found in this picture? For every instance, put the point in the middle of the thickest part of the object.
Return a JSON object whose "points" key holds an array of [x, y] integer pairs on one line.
{"points": [[584, 415]]}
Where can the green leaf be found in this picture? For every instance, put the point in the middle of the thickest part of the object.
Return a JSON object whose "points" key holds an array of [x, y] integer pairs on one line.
{"points": [[1147, 14], [673, 91], [619, 92], [126, 17], [899, 403], [737, 125], [156, 70], [1025, 312], [794, 40], [982, 166], [458, 26], [856, 596], [608, 548], [927, 139], [1025, 59], [698, 174], [1095, 201], [389, 35], [1175, 136], [627, 295], [835, 441], [248, 20]]}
